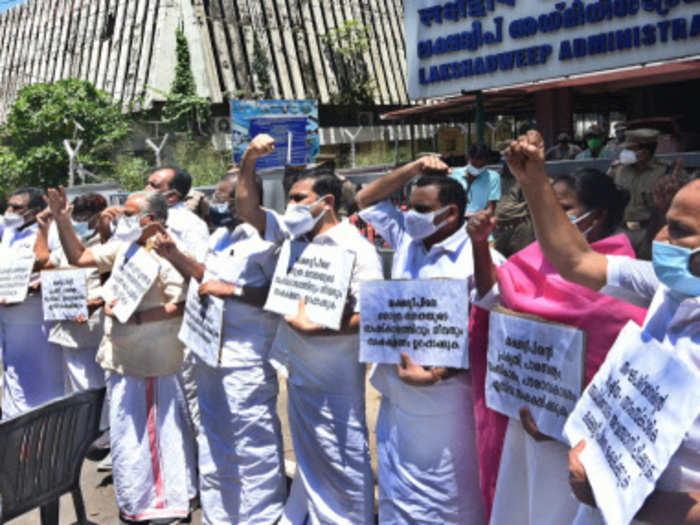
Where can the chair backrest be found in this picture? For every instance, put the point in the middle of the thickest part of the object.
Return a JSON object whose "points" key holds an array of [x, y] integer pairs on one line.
{"points": [[42, 451]]}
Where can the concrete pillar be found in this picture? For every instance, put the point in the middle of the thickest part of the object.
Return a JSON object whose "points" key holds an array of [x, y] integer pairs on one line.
{"points": [[554, 113]]}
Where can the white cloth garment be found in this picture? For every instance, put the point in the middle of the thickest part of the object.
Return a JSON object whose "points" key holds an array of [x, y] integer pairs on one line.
{"points": [[326, 407], [241, 467], [240, 441], [152, 447], [32, 369], [434, 478], [535, 488]]}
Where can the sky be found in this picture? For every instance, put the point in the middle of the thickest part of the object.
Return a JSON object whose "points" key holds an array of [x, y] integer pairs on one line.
{"points": [[6, 4]]}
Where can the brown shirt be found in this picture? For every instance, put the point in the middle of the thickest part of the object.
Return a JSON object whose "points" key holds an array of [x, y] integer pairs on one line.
{"points": [[640, 184]]}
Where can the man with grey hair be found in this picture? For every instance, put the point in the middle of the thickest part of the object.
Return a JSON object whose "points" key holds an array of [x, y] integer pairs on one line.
{"points": [[143, 356]]}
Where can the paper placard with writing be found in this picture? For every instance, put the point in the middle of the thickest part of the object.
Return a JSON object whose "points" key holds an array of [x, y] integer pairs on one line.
{"points": [[534, 363], [64, 294], [633, 416], [316, 273], [129, 283], [427, 319], [202, 325], [15, 272]]}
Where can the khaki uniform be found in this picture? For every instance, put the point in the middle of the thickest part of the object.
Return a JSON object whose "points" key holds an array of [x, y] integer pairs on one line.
{"points": [[514, 230], [639, 218]]}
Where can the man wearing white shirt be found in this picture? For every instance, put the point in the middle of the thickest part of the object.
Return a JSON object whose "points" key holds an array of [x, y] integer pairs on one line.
{"points": [[669, 286], [32, 369], [333, 482], [241, 472], [426, 441]]}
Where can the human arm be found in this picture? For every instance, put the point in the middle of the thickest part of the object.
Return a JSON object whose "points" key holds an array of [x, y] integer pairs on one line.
{"points": [[479, 228], [157, 313], [560, 240], [76, 252], [679, 508], [494, 191], [350, 324], [41, 247], [164, 245], [414, 374], [248, 206], [252, 295], [384, 187]]}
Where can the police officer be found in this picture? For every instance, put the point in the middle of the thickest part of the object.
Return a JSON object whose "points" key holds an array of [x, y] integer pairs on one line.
{"points": [[638, 171]]}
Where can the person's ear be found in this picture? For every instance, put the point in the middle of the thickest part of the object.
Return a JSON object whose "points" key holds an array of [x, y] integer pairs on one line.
{"points": [[329, 200]]}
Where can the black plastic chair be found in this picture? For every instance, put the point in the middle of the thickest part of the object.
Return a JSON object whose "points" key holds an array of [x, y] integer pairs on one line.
{"points": [[42, 452]]}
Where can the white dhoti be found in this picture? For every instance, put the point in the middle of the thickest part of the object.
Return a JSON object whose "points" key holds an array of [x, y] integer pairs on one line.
{"points": [[533, 483], [152, 447], [426, 452], [241, 467], [326, 409], [33, 371], [82, 372]]}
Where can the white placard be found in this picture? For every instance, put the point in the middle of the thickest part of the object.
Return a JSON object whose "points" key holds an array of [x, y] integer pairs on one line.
{"points": [[202, 325], [633, 416], [129, 283], [64, 294], [426, 319], [320, 275], [15, 272], [453, 45], [537, 364]]}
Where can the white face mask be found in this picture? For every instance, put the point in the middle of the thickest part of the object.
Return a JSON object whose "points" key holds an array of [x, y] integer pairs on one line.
{"points": [[421, 225], [13, 220], [627, 156], [473, 170], [298, 218], [128, 229]]}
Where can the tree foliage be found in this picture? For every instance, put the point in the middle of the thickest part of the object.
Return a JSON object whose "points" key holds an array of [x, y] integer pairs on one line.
{"points": [[184, 111], [32, 151], [345, 47]]}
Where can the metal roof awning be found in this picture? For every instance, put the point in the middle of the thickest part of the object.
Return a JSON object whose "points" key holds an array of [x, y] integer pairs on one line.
{"points": [[516, 97]]}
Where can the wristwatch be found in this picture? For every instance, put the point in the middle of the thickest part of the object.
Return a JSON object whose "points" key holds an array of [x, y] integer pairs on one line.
{"points": [[237, 291]]}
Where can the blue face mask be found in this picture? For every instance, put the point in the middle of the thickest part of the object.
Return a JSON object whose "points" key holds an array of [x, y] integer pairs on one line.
{"points": [[576, 220], [672, 267]]}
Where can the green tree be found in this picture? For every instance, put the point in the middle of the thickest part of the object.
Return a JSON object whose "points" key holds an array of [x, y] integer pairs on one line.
{"points": [[345, 47], [43, 115], [184, 110]]}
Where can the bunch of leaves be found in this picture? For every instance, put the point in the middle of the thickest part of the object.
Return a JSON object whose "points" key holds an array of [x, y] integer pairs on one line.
{"points": [[202, 161], [43, 116], [345, 47]]}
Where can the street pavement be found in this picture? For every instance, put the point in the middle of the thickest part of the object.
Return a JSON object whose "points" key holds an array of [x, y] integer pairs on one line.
{"points": [[98, 490]]}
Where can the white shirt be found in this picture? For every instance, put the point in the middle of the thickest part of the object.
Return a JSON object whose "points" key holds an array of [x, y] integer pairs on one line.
{"points": [[22, 242], [674, 320], [190, 232], [243, 258]]}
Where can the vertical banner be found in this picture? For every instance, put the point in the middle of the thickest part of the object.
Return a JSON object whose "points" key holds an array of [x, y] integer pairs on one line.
{"points": [[319, 275], [292, 123], [427, 319], [633, 415], [534, 363], [15, 272], [203, 325]]}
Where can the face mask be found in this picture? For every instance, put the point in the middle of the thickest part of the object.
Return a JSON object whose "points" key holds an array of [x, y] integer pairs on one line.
{"points": [[420, 225], [13, 220], [576, 220], [672, 267], [475, 171], [220, 215], [627, 156], [128, 229], [594, 143], [298, 218], [564, 143], [82, 229]]}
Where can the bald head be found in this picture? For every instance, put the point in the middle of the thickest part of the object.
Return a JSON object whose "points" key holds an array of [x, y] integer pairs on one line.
{"points": [[683, 218]]}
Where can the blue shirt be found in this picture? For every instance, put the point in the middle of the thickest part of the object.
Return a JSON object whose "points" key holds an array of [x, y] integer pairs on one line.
{"points": [[485, 188]]}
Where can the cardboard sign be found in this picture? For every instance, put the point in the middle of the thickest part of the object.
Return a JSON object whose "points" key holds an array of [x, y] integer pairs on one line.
{"points": [[320, 275], [535, 363], [129, 283], [64, 294], [15, 272], [633, 416], [203, 325], [426, 319]]}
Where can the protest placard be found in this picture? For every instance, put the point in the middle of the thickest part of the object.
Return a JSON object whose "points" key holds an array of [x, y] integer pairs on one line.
{"points": [[64, 294], [202, 325], [426, 319], [129, 283], [320, 275], [535, 363], [633, 416], [15, 272]]}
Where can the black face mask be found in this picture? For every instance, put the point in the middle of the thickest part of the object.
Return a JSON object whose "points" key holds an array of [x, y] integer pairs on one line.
{"points": [[564, 143], [221, 219]]}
